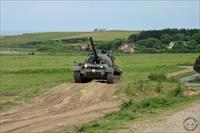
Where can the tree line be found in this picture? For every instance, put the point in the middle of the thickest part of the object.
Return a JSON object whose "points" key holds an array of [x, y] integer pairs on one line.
{"points": [[151, 41], [183, 40]]}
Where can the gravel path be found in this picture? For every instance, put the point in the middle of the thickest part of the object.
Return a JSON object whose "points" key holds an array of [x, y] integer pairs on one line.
{"points": [[171, 122]]}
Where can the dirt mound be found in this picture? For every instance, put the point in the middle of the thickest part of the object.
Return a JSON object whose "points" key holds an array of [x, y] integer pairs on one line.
{"points": [[66, 104]]}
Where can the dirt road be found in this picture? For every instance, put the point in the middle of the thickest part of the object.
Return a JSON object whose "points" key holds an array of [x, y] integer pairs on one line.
{"points": [[64, 105], [186, 69], [171, 121]]}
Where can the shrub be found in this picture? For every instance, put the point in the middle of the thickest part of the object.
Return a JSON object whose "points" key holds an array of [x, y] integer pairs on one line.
{"points": [[197, 65], [157, 76]]}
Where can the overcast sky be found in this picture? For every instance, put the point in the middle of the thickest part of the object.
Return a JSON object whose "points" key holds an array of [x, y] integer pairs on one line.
{"points": [[86, 15]]}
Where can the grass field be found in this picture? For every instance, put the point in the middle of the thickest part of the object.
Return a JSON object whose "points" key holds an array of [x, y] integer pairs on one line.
{"points": [[26, 76], [99, 36]]}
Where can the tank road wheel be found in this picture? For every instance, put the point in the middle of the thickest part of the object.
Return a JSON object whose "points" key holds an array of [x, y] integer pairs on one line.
{"points": [[110, 78], [77, 77]]}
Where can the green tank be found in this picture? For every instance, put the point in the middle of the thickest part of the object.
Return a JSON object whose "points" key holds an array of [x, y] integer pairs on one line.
{"points": [[98, 66]]}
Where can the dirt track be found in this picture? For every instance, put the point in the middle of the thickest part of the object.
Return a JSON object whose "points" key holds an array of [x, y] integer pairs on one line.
{"points": [[64, 105], [169, 122], [185, 70]]}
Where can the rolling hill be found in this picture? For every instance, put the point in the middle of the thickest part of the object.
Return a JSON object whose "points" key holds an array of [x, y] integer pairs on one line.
{"points": [[98, 36]]}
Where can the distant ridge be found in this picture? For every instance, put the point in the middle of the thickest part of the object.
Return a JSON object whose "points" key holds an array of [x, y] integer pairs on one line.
{"points": [[41, 36]]}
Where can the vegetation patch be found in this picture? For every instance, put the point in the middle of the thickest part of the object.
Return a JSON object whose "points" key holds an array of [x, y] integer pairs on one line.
{"points": [[197, 64], [157, 76], [6, 105], [167, 40], [133, 109]]}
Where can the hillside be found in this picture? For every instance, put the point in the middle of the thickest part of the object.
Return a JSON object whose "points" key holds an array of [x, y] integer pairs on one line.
{"points": [[99, 36], [151, 41]]}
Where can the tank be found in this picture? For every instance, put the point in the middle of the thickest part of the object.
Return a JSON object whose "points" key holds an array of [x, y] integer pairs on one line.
{"points": [[99, 66]]}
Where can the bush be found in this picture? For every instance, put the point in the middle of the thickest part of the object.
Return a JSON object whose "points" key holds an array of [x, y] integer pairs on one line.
{"points": [[157, 76], [197, 65]]}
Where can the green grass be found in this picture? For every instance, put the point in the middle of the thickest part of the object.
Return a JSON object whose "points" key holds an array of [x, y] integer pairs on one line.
{"points": [[137, 106], [146, 104], [26, 76], [132, 110], [98, 36], [145, 96]]}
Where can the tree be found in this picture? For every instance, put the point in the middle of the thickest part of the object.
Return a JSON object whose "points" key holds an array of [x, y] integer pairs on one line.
{"points": [[149, 43], [192, 44], [197, 65], [179, 45], [133, 38], [111, 45], [166, 38], [179, 37], [196, 37]]}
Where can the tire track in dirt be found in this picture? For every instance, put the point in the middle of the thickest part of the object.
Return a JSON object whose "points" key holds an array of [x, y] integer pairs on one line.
{"points": [[65, 105]]}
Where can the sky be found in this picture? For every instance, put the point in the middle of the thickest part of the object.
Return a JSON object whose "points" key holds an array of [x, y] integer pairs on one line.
{"points": [[44, 16]]}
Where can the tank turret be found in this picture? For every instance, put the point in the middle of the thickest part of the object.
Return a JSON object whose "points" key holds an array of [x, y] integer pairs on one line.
{"points": [[98, 66]]}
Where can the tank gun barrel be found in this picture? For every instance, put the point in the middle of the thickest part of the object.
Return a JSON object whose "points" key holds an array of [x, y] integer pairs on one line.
{"points": [[94, 49]]}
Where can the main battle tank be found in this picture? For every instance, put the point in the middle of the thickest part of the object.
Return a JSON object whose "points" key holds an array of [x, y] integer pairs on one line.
{"points": [[98, 66]]}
